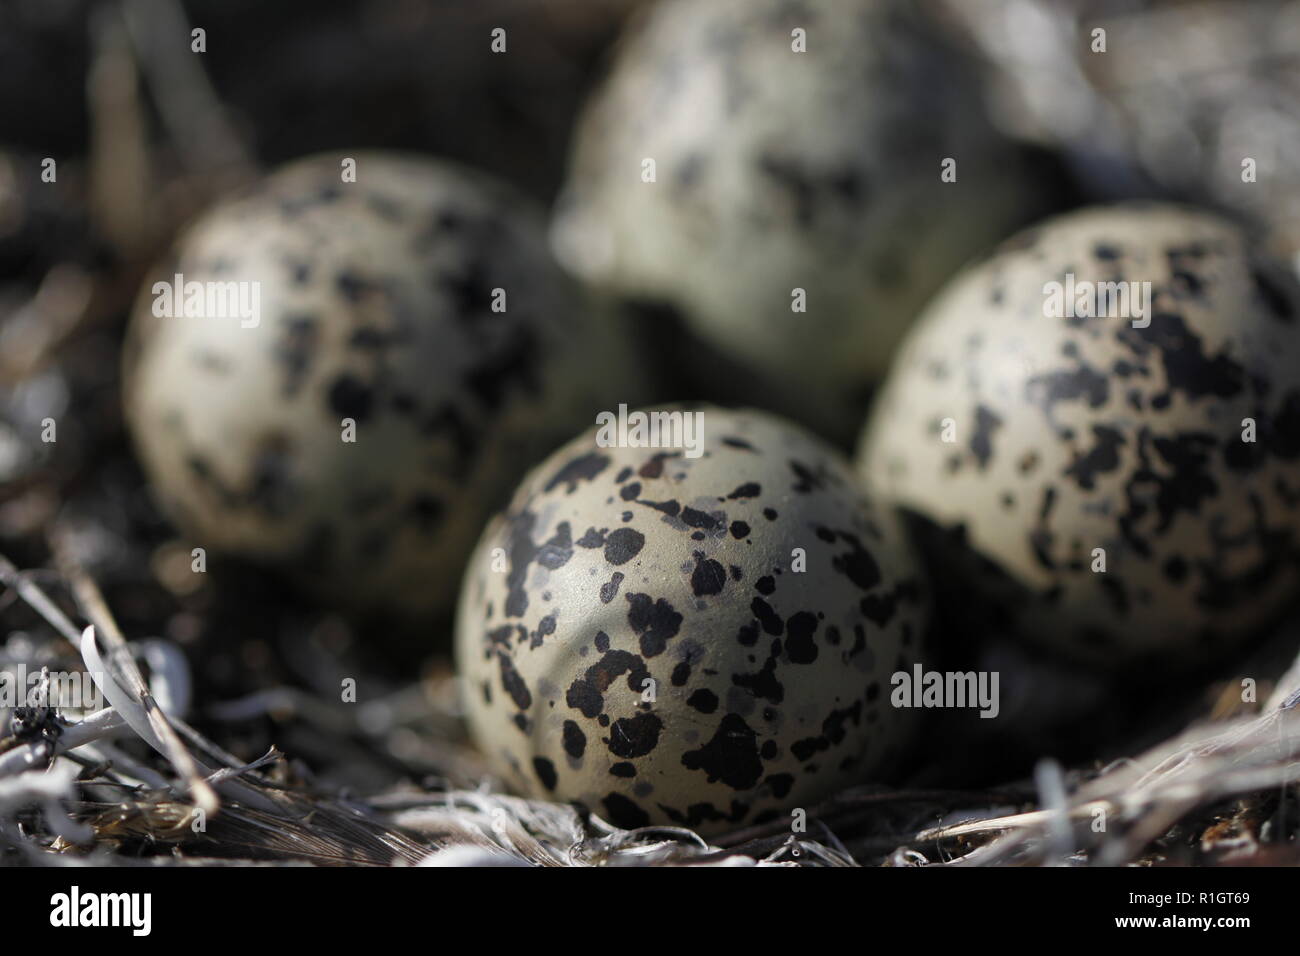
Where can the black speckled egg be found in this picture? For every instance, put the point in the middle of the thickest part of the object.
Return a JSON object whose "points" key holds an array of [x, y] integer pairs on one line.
{"points": [[704, 641], [796, 146], [418, 306], [1115, 485]]}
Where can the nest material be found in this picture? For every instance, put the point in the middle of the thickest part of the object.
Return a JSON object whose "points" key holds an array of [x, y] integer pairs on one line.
{"points": [[133, 784]]}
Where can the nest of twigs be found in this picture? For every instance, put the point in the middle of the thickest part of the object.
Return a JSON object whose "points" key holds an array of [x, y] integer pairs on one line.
{"points": [[135, 783]]}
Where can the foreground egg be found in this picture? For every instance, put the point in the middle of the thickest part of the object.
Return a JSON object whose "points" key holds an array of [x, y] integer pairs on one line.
{"points": [[382, 360], [705, 641], [1116, 486], [796, 213]]}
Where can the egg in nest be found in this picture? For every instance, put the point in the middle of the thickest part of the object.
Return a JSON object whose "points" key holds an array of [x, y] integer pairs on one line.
{"points": [[795, 178], [1097, 434], [385, 357], [702, 640]]}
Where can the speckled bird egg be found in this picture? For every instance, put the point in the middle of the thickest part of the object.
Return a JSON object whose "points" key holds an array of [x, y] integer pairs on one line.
{"points": [[1121, 485], [798, 217], [704, 641], [414, 345]]}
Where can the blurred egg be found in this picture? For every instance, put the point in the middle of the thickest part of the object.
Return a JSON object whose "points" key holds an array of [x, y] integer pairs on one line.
{"points": [[796, 178], [1097, 433], [341, 379]]}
